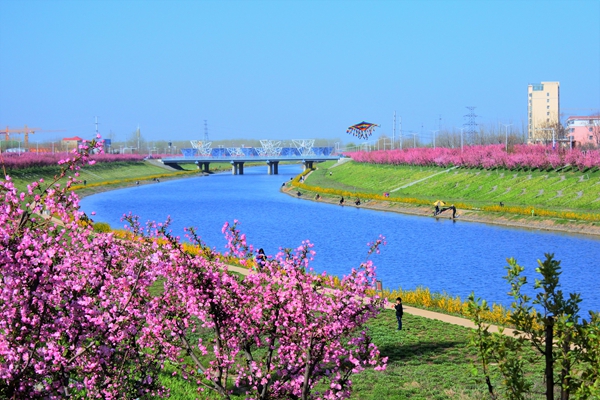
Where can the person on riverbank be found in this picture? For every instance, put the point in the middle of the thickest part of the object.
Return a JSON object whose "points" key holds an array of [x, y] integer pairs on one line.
{"points": [[261, 259], [399, 312], [342, 201], [439, 210], [357, 201]]}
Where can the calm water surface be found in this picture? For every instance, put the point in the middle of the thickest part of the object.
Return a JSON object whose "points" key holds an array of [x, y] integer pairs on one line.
{"points": [[456, 257]]}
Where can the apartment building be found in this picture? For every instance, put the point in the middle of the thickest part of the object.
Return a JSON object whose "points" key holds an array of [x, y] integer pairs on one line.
{"points": [[584, 130], [543, 112]]}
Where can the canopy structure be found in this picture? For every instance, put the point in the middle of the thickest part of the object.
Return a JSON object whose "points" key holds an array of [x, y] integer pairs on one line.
{"points": [[362, 130]]}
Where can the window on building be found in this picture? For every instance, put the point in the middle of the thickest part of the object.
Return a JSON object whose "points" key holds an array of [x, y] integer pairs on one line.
{"points": [[591, 137], [548, 94], [547, 107], [548, 113], [572, 130], [591, 129], [547, 100]]}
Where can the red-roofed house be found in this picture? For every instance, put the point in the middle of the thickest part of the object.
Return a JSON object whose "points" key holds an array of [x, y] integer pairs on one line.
{"points": [[71, 143], [584, 130]]}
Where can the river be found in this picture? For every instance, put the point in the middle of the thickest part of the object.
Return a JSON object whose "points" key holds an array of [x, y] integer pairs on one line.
{"points": [[454, 257]]}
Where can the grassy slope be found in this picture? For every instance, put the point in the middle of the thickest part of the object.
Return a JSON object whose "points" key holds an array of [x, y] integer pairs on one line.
{"points": [[568, 190], [102, 176], [429, 359]]}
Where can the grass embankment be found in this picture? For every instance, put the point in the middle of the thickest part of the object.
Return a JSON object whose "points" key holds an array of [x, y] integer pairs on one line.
{"points": [[428, 359], [104, 176], [564, 196]]}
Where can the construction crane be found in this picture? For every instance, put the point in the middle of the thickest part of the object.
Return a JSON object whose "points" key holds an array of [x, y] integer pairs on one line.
{"points": [[26, 131]]}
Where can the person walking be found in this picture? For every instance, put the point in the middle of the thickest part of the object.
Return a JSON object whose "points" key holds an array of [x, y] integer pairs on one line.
{"points": [[261, 259], [399, 312]]}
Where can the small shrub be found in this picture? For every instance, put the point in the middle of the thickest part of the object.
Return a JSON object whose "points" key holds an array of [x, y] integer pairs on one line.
{"points": [[101, 227]]}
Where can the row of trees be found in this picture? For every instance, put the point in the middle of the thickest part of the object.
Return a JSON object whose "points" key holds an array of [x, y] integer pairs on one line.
{"points": [[491, 156], [33, 160], [90, 315]]}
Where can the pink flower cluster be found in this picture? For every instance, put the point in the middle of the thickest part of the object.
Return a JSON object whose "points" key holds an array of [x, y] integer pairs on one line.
{"points": [[33, 160], [488, 157], [77, 317]]}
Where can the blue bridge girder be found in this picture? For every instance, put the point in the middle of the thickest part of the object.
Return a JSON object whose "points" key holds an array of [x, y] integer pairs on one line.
{"points": [[237, 161]]}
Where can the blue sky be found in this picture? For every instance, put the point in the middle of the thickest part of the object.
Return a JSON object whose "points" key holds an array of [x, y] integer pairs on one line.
{"points": [[289, 69]]}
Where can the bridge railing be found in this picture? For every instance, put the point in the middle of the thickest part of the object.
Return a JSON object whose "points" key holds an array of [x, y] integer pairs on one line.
{"points": [[246, 152]]}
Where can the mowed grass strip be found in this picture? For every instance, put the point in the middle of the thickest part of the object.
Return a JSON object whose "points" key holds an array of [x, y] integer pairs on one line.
{"points": [[428, 359], [552, 190]]}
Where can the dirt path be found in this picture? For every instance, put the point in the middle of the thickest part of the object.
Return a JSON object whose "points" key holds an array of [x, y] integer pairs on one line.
{"points": [[449, 319]]}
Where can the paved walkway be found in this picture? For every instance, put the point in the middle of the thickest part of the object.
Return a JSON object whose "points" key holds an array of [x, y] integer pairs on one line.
{"points": [[449, 319]]}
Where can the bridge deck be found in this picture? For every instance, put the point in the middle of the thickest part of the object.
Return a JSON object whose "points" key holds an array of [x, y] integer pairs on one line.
{"points": [[241, 159]]}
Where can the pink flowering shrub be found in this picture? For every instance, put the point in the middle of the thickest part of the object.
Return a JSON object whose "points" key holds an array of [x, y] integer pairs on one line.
{"points": [[278, 332], [33, 160], [72, 303], [77, 318], [488, 157]]}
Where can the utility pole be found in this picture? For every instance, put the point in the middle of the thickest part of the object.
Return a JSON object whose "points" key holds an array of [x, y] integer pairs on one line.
{"points": [[400, 133], [434, 132], [96, 126], [414, 138], [394, 131], [506, 130], [553, 139], [205, 132], [461, 139]]}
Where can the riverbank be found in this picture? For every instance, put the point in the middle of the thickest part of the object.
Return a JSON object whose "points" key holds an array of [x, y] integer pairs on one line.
{"points": [[507, 220], [453, 186]]}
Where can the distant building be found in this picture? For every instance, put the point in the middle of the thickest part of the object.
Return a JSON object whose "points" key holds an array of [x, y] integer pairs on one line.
{"points": [[543, 112], [71, 143], [584, 130]]}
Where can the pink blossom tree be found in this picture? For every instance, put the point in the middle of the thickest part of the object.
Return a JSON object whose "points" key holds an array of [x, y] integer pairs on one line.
{"points": [[72, 303], [278, 333], [77, 318]]}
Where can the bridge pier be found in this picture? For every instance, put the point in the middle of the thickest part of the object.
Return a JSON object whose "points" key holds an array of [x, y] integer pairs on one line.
{"points": [[273, 167], [203, 166], [237, 168], [307, 164]]}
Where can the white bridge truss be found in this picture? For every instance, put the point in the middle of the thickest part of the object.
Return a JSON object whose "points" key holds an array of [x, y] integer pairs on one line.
{"points": [[235, 151], [269, 148], [304, 146], [203, 148]]}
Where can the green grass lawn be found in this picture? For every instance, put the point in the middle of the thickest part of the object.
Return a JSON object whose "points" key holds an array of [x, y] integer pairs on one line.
{"points": [[552, 190], [428, 359]]}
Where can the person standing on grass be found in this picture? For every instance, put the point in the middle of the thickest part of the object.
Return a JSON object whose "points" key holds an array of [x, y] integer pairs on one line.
{"points": [[399, 312]]}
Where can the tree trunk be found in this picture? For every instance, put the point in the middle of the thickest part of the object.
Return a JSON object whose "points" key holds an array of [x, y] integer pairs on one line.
{"points": [[549, 359]]}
